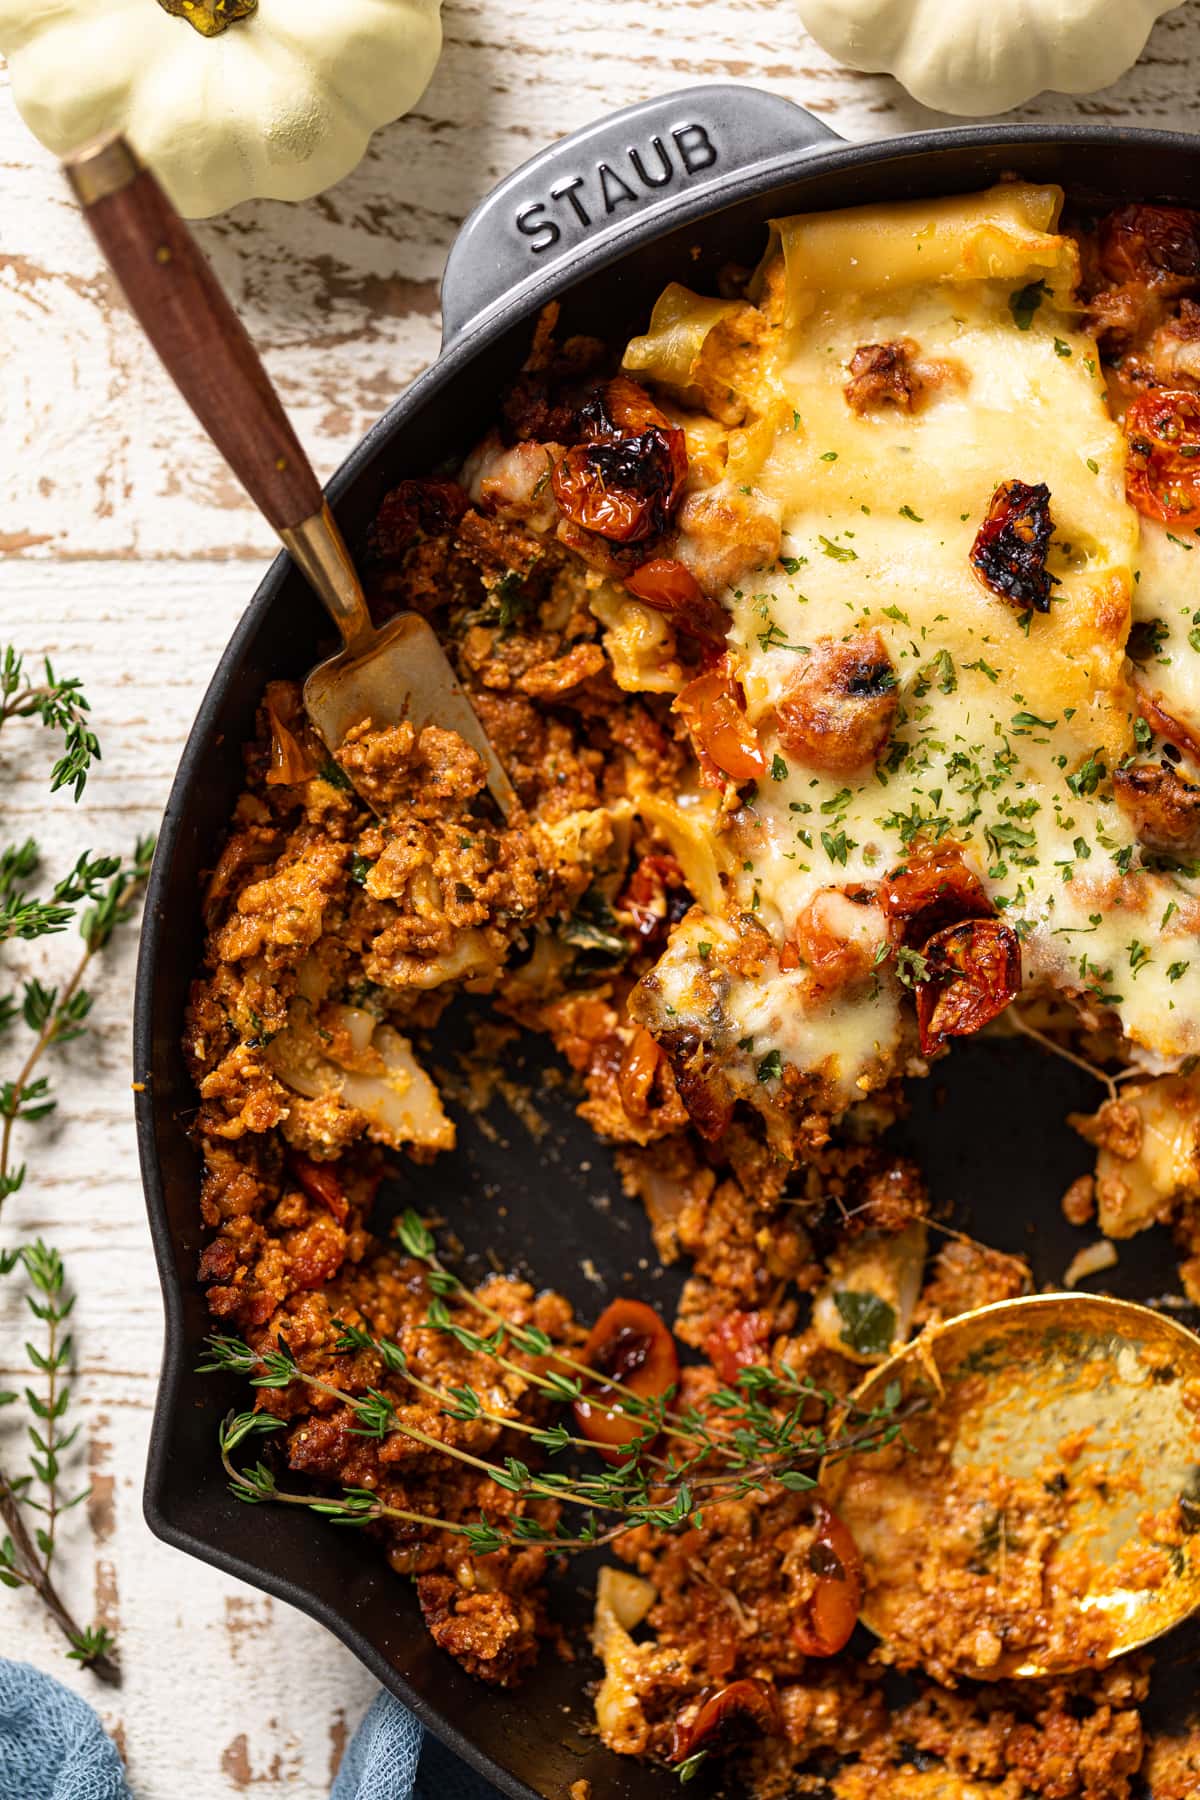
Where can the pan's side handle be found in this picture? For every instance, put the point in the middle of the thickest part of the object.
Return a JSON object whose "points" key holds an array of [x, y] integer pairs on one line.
{"points": [[590, 186]]}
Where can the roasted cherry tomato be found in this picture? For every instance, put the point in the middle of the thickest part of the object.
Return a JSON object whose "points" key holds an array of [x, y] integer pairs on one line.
{"points": [[424, 505], [671, 589], [736, 1342], [723, 738], [833, 1609], [656, 896], [628, 1344], [699, 1080], [623, 405], [635, 1077], [321, 1182], [1162, 472], [972, 971], [934, 887], [624, 479], [1011, 546], [1156, 246], [719, 1718]]}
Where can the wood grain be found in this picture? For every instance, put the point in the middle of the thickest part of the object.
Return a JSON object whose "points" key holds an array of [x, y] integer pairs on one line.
{"points": [[170, 287], [128, 553]]}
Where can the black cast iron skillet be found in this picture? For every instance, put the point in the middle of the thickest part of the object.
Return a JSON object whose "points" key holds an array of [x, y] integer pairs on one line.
{"points": [[668, 190]]}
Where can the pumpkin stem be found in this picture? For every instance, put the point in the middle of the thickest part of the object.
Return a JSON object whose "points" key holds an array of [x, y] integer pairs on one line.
{"points": [[209, 17]]}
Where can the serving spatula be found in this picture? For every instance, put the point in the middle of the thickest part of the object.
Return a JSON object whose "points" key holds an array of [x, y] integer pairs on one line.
{"points": [[398, 671]]}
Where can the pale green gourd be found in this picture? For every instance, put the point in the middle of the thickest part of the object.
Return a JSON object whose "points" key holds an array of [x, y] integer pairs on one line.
{"points": [[226, 99], [984, 56]]}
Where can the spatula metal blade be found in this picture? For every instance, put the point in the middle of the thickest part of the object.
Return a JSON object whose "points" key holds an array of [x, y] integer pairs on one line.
{"points": [[404, 674]]}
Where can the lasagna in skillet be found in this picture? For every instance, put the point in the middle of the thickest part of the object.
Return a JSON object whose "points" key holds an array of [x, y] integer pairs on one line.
{"points": [[840, 638]]}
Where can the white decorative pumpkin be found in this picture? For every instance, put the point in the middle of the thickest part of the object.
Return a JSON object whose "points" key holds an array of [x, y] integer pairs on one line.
{"points": [[983, 56], [225, 99]]}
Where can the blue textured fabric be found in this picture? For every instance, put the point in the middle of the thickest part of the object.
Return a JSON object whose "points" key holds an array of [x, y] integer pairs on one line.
{"points": [[53, 1747]]}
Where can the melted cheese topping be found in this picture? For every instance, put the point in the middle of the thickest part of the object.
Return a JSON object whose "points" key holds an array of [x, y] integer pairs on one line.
{"points": [[1166, 604], [1009, 724]]}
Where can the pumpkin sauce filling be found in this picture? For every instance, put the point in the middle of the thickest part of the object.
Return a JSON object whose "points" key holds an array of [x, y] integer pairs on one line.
{"points": [[839, 642]]}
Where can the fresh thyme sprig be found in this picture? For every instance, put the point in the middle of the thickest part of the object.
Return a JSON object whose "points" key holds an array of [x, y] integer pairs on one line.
{"points": [[26, 1557], [55, 1015], [98, 894], [61, 706], [751, 1437]]}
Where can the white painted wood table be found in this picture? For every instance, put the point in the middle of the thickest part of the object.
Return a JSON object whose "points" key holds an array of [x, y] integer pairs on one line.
{"points": [[128, 553]]}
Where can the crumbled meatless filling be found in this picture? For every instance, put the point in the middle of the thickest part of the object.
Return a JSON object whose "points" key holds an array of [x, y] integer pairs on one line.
{"points": [[332, 926]]}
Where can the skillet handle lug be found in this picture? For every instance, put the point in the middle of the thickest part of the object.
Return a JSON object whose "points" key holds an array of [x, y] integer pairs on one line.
{"points": [[586, 198]]}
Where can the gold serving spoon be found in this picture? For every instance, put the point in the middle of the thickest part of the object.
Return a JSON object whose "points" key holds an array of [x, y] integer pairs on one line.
{"points": [[397, 672], [1050, 1487]]}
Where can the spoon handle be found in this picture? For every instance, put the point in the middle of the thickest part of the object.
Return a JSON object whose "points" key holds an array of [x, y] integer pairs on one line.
{"points": [[204, 345]]}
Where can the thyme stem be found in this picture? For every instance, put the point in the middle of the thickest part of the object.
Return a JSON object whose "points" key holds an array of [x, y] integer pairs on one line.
{"points": [[31, 1572]]}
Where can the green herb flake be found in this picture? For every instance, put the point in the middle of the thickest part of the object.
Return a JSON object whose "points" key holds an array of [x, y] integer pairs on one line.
{"points": [[868, 1323], [839, 552], [1024, 303]]}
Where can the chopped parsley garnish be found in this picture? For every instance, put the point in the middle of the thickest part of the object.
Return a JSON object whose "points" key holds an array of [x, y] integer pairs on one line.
{"points": [[906, 512], [1089, 775], [779, 769], [1061, 348], [1025, 722], [771, 1066], [911, 966], [839, 552], [837, 846], [773, 639], [1025, 302], [1178, 969]]}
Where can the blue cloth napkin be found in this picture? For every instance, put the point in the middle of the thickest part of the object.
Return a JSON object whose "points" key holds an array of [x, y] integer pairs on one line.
{"points": [[53, 1747]]}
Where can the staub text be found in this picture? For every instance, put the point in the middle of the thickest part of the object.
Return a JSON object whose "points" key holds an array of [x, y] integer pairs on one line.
{"points": [[627, 180]]}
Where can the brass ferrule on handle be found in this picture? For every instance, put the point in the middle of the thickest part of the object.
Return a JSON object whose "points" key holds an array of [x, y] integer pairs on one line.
{"points": [[106, 166], [317, 548]]}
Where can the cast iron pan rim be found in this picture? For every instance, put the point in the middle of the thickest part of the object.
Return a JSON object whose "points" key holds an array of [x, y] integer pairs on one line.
{"points": [[588, 260]]}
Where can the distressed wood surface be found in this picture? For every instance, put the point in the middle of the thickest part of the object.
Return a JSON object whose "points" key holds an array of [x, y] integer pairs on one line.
{"points": [[128, 554]]}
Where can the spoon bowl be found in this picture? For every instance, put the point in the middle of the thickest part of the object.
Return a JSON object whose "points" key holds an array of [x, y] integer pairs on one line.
{"points": [[1042, 1513]]}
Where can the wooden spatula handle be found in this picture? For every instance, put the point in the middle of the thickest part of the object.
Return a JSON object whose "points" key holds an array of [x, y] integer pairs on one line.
{"points": [[176, 297]]}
